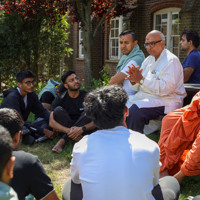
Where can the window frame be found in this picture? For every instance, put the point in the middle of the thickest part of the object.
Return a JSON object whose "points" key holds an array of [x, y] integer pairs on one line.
{"points": [[115, 57], [169, 37], [80, 39]]}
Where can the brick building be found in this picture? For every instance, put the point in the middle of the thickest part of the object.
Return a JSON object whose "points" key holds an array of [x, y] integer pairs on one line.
{"points": [[169, 16]]}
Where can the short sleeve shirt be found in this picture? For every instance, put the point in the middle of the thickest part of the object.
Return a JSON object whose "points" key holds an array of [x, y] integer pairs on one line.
{"points": [[193, 60], [30, 176], [73, 106], [116, 164]]}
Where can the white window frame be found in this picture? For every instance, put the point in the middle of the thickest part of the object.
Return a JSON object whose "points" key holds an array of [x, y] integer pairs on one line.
{"points": [[170, 22], [115, 57], [80, 39]]}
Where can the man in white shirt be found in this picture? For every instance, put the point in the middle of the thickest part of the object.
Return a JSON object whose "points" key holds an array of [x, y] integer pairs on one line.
{"points": [[131, 55], [114, 162], [159, 84]]}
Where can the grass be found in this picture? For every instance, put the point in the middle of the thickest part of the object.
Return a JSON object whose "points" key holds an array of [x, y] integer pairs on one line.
{"points": [[57, 166]]}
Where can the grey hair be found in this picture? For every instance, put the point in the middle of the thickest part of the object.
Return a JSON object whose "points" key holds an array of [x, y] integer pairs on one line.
{"points": [[162, 37]]}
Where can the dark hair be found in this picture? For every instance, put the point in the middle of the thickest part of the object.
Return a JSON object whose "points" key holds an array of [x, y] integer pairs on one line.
{"points": [[61, 88], [192, 35], [5, 148], [66, 74], [126, 32], [106, 106], [24, 74], [11, 120]]}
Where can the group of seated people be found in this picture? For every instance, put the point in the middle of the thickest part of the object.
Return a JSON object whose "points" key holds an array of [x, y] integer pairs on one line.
{"points": [[112, 158]]}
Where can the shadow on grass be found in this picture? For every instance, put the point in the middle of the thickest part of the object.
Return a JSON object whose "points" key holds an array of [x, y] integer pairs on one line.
{"points": [[56, 164], [43, 151]]}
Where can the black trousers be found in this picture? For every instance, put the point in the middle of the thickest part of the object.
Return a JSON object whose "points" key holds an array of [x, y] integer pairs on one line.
{"points": [[167, 189], [138, 117], [61, 116], [39, 125]]}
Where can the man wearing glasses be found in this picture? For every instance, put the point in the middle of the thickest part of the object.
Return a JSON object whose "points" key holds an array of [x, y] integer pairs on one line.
{"points": [[67, 116], [24, 100], [159, 83]]}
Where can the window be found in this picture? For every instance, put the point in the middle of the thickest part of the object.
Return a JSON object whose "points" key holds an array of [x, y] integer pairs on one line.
{"points": [[81, 49], [115, 30], [167, 21]]}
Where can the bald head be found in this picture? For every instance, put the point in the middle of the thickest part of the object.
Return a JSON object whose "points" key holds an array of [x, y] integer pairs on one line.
{"points": [[156, 34], [155, 43]]}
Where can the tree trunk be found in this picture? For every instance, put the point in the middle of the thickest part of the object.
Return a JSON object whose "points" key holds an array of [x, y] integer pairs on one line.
{"points": [[87, 44], [88, 57], [36, 55]]}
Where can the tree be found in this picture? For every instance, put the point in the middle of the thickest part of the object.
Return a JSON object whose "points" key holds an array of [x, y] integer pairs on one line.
{"points": [[87, 12], [32, 38]]}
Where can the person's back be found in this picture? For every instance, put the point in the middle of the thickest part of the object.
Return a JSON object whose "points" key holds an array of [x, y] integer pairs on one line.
{"points": [[48, 94], [114, 162], [30, 176], [122, 164]]}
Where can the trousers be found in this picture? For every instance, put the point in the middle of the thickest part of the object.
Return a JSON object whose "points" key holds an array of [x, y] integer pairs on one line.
{"points": [[61, 116], [167, 189], [138, 117]]}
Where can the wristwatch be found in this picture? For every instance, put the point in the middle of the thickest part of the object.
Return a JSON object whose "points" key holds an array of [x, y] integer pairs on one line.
{"points": [[141, 81], [84, 128]]}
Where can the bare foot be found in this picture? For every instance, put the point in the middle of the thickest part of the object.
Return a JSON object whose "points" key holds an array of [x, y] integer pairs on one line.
{"points": [[50, 134], [164, 173], [59, 146]]}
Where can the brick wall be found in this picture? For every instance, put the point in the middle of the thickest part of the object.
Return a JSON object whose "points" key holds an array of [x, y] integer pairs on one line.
{"points": [[77, 64], [190, 19], [142, 18], [141, 22]]}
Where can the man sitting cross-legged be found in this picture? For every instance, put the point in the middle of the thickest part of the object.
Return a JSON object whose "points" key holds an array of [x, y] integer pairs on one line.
{"points": [[115, 163], [6, 165], [24, 100], [29, 174], [68, 116]]}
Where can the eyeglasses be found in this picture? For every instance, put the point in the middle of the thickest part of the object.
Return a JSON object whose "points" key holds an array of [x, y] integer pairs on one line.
{"points": [[29, 83], [73, 79], [151, 44]]}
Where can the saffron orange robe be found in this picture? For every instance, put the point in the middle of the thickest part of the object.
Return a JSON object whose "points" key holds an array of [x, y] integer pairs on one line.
{"points": [[180, 140]]}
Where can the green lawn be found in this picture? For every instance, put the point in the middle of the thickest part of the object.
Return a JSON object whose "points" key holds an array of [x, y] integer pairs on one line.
{"points": [[57, 166]]}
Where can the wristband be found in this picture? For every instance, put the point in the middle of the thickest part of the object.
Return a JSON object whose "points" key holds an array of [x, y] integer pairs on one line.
{"points": [[84, 128]]}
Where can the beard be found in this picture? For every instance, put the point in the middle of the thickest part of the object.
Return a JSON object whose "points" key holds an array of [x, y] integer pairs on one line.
{"points": [[73, 88]]}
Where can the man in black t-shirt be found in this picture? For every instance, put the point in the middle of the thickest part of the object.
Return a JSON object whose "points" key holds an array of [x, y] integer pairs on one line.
{"points": [[29, 174], [67, 114]]}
